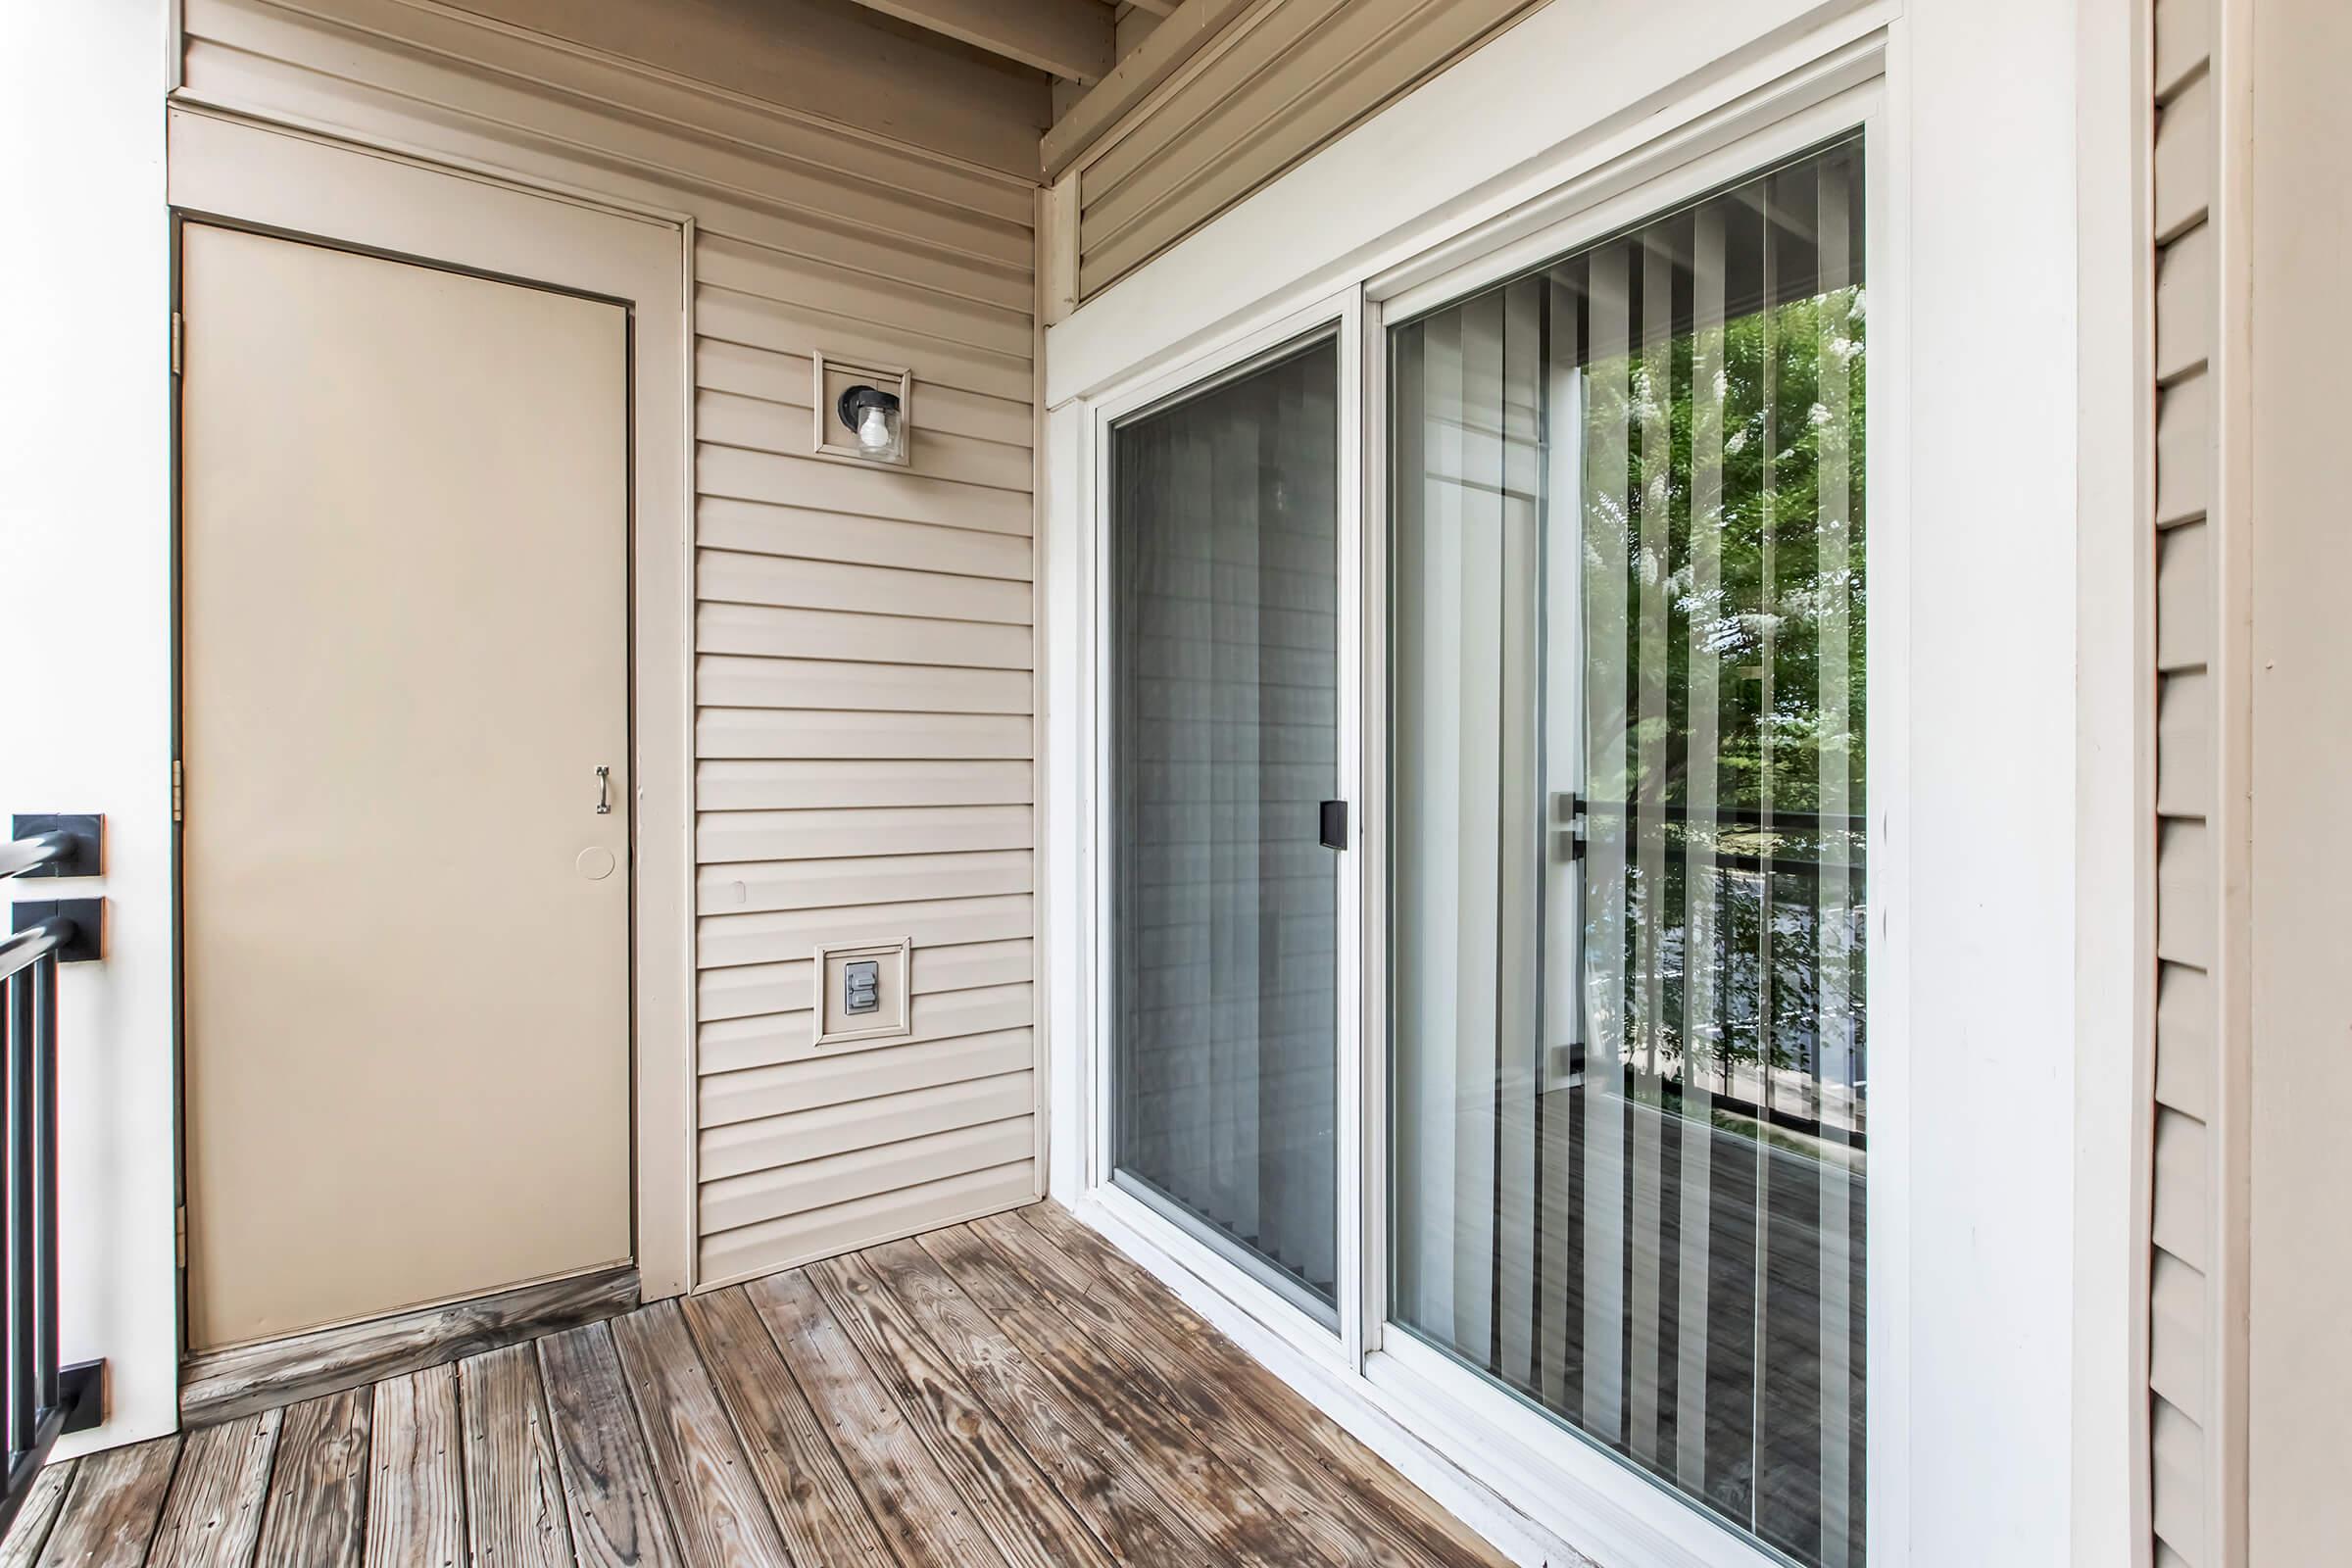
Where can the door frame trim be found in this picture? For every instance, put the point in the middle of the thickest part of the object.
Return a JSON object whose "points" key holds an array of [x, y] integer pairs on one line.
{"points": [[243, 171]]}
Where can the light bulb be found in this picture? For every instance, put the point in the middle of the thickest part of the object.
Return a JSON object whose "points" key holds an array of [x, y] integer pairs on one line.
{"points": [[874, 434]]}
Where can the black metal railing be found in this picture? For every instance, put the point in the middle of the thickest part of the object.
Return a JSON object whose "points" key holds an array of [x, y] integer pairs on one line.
{"points": [[43, 1399]]}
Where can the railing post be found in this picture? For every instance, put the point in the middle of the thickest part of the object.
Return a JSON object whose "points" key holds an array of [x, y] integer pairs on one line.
{"points": [[20, 1283], [42, 1399]]}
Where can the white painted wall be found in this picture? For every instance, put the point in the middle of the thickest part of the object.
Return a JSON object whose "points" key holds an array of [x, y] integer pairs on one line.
{"points": [[2010, 1412], [86, 637]]}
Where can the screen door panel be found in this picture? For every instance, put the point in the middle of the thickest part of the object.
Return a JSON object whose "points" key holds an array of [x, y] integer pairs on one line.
{"points": [[1225, 743], [404, 660]]}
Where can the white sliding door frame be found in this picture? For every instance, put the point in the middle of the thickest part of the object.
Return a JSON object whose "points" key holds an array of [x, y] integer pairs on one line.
{"points": [[1525, 1479]]}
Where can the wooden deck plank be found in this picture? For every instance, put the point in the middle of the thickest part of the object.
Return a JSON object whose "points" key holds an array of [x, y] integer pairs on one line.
{"points": [[816, 1505], [317, 1513], [1062, 1439], [416, 1483], [108, 1516], [21, 1547], [1030, 1522], [722, 1520], [226, 1383], [919, 1512], [1132, 1402], [515, 1509], [213, 1517], [618, 1520], [1369, 1484]]}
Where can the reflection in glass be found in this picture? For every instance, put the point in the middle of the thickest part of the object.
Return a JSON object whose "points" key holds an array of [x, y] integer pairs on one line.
{"points": [[1629, 1124], [1224, 717]]}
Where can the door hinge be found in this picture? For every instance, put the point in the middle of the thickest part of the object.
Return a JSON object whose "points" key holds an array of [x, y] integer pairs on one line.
{"points": [[178, 332], [180, 1235], [179, 791]]}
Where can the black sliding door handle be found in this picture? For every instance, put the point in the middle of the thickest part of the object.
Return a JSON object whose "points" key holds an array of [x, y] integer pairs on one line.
{"points": [[1335, 824]]}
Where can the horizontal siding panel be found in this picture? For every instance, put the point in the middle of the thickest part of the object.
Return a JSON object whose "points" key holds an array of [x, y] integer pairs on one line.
{"points": [[750, 991], [805, 1110], [2177, 1485], [866, 490], [2185, 763], [1187, 112], [2184, 442], [859, 1173], [731, 836], [797, 283], [762, 884], [780, 732], [2185, 894], [747, 319], [2185, 597], [778, 377], [246, 52], [766, 529], [778, 633], [1336, 75], [728, 419], [2184, 304], [725, 680], [775, 1040], [628, 96], [733, 578], [2184, 1040], [2184, 43], [1292, 83], [2184, 148], [2177, 1334], [770, 936], [864, 1222], [2183, 1188], [810, 783]]}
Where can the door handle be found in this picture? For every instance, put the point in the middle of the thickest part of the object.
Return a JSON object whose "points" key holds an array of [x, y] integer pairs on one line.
{"points": [[1335, 824], [604, 792]]}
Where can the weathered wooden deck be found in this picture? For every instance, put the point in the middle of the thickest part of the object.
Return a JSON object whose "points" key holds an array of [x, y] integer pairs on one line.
{"points": [[1007, 1392]]}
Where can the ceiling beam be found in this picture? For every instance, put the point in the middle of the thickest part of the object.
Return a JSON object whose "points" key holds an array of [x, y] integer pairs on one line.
{"points": [[1159, 8], [1067, 38]]}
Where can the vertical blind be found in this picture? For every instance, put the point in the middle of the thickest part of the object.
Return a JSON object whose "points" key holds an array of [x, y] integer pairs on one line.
{"points": [[1627, 1051], [1225, 741]]}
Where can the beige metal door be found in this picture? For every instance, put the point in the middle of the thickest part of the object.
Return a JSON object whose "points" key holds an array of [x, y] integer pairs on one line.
{"points": [[404, 662]]}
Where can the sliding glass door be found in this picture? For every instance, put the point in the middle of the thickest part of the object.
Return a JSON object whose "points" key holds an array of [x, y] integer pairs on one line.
{"points": [[1629, 1071], [1223, 717]]}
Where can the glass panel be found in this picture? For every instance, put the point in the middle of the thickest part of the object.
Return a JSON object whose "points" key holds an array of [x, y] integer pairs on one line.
{"points": [[1225, 742], [1629, 1138]]}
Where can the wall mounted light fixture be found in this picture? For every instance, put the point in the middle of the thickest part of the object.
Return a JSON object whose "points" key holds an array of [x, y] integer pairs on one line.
{"points": [[862, 411]]}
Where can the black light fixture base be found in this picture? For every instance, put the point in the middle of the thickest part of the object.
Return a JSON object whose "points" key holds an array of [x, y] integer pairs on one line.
{"points": [[858, 399]]}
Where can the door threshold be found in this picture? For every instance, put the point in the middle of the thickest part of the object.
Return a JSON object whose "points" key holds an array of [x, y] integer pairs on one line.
{"points": [[224, 1385]]}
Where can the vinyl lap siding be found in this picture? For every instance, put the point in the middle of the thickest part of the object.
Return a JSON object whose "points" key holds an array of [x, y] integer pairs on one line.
{"points": [[864, 735], [1286, 78], [2186, 1429]]}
